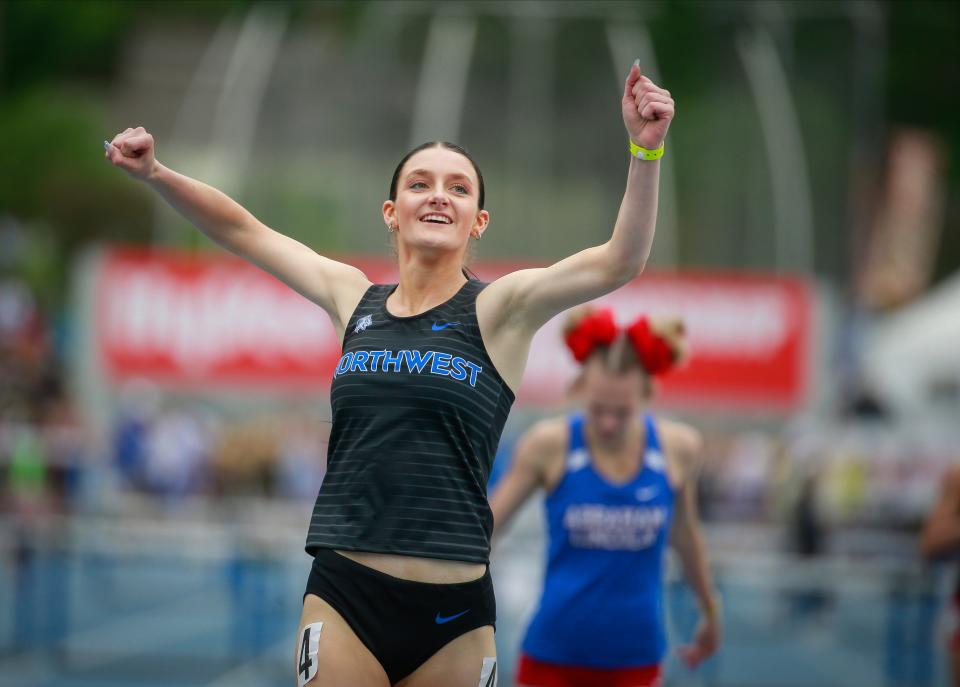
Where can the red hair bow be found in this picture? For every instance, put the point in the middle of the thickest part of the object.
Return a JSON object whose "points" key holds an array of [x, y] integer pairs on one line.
{"points": [[654, 352], [596, 329]]}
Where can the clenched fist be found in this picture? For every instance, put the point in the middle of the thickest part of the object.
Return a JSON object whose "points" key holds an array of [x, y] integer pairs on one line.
{"points": [[647, 109], [132, 151]]}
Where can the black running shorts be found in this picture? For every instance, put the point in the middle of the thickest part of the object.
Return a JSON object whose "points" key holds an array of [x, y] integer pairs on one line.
{"points": [[401, 622]]}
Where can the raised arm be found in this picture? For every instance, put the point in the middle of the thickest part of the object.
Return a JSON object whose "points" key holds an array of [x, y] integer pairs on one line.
{"points": [[531, 468], [516, 305], [684, 445], [334, 286], [941, 531]]}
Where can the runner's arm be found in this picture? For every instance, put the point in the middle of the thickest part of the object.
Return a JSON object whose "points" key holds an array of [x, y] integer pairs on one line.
{"points": [[687, 539], [527, 472], [334, 286], [528, 298]]}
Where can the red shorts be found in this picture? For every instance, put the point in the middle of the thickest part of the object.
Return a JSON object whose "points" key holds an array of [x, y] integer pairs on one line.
{"points": [[534, 673]]}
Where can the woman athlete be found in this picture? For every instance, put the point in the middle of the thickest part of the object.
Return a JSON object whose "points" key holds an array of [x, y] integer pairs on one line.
{"points": [[940, 538], [399, 591], [617, 481]]}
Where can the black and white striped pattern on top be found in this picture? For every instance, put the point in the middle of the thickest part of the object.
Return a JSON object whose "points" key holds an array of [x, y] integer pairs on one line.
{"points": [[418, 410]]}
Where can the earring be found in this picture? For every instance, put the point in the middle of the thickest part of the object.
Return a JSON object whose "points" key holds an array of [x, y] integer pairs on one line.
{"points": [[392, 227]]}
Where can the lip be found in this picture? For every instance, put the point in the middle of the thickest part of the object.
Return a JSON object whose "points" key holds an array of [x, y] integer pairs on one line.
{"points": [[439, 214]]}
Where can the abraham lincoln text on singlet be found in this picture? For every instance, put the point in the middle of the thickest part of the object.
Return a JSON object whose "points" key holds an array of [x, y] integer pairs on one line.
{"points": [[431, 362], [630, 528]]}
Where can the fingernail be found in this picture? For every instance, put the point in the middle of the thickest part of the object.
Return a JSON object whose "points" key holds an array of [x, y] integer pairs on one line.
{"points": [[636, 62], [106, 145]]}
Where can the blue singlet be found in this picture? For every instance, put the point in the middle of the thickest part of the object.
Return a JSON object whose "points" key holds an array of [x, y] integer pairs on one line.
{"points": [[602, 595]]}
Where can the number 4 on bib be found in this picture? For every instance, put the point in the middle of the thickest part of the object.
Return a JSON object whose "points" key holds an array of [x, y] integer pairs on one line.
{"points": [[307, 656]]}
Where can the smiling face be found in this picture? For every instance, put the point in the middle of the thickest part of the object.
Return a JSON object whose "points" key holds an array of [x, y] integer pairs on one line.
{"points": [[437, 203]]}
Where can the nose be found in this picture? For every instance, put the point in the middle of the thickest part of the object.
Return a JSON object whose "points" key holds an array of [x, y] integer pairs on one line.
{"points": [[439, 198]]}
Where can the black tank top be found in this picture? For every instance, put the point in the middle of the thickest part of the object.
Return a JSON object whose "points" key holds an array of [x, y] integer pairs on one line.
{"points": [[418, 410]]}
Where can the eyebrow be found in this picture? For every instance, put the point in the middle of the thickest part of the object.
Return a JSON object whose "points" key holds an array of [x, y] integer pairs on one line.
{"points": [[424, 172]]}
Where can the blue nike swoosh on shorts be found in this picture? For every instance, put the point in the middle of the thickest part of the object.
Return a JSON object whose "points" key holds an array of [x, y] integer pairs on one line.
{"points": [[440, 620], [440, 327]]}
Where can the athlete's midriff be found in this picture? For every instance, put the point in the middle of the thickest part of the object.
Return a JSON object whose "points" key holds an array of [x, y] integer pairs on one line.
{"points": [[417, 569]]}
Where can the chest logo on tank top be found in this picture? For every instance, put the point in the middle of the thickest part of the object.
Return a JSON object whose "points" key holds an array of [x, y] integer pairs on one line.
{"points": [[647, 493], [409, 362], [613, 528], [363, 323]]}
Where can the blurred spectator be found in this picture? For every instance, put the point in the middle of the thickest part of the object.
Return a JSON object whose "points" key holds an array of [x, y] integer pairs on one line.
{"points": [[177, 453], [17, 310], [744, 479], [66, 444], [807, 540], [138, 407], [28, 474], [244, 458], [941, 537], [807, 532]]}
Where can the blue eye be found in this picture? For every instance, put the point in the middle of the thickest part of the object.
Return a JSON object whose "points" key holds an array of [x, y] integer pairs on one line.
{"points": [[460, 188], [416, 184]]}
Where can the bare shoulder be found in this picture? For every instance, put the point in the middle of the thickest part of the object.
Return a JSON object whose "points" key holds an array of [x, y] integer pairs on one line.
{"points": [[496, 303], [542, 448], [506, 332], [546, 438], [348, 284], [682, 446], [679, 436]]}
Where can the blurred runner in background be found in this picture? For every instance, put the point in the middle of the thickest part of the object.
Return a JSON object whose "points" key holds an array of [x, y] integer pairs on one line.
{"points": [[617, 480]]}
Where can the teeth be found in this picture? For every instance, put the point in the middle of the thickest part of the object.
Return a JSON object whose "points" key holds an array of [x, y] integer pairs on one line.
{"points": [[436, 218]]}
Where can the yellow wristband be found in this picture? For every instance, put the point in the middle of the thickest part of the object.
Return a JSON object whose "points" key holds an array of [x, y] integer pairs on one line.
{"points": [[642, 153], [713, 607]]}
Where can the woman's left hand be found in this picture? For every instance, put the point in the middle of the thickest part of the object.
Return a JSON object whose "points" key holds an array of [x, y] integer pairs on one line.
{"points": [[647, 110], [705, 642]]}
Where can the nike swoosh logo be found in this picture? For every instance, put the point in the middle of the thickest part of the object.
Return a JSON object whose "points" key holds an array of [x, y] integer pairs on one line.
{"points": [[647, 493], [441, 327], [440, 620]]}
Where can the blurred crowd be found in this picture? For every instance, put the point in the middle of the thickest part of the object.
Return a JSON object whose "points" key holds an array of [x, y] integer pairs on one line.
{"points": [[155, 446], [816, 477], [173, 450], [40, 439], [809, 477]]}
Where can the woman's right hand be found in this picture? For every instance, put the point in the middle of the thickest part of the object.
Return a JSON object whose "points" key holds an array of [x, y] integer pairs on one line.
{"points": [[133, 151]]}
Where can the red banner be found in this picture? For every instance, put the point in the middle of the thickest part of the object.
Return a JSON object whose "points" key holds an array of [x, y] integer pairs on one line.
{"points": [[213, 321], [750, 341]]}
